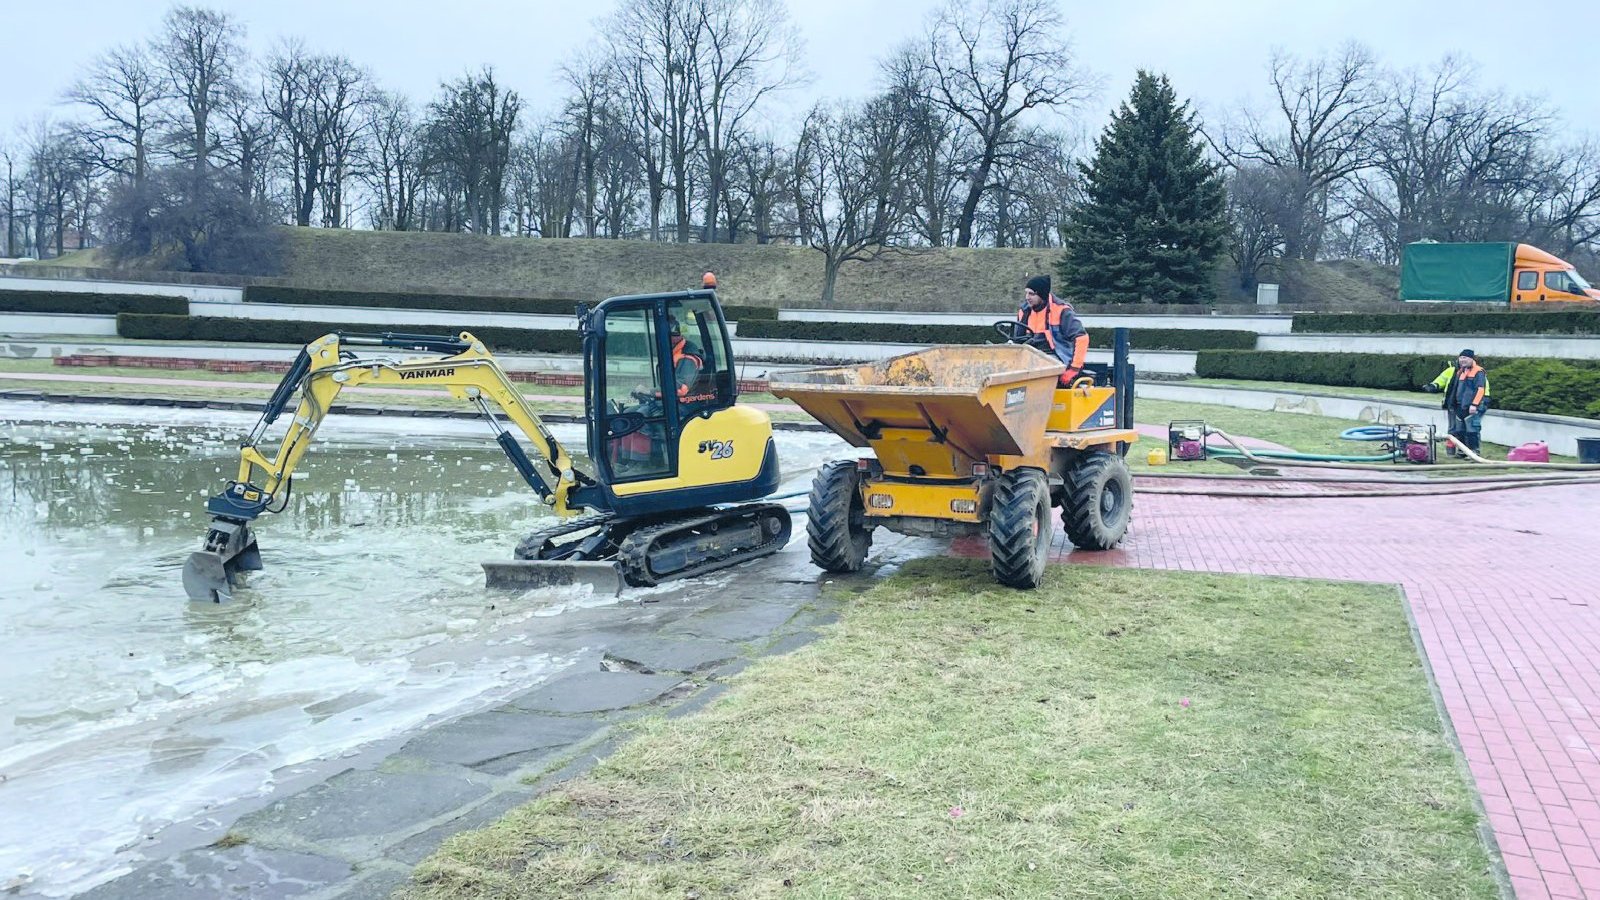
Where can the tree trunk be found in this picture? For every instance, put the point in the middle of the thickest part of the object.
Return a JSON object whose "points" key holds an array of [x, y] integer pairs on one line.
{"points": [[969, 209], [830, 276]]}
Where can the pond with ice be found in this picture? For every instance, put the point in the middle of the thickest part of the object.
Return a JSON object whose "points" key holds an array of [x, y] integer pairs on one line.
{"points": [[124, 707]]}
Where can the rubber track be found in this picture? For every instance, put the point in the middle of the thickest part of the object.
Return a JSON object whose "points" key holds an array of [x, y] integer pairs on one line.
{"points": [[1012, 540], [828, 533], [1080, 508], [529, 547], [634, 553]]}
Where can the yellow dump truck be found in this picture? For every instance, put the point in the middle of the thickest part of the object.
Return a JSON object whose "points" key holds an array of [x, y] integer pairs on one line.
{"points": [[971, 440]]}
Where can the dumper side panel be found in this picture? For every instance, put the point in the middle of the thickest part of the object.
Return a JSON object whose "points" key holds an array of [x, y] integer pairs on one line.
{"points": [[1478, 273]]}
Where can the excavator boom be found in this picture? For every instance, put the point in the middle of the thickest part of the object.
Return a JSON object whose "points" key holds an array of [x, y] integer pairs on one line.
{"points": [[324, 368]]}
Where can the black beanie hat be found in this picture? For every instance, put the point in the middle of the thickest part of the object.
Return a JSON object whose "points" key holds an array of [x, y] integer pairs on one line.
{"points": [[1040, 284], [1468, 353]]}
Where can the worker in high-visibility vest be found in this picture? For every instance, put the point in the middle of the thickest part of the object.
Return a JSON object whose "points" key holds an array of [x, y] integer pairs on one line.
{"points": [[1063, 331], [1465, 386]]}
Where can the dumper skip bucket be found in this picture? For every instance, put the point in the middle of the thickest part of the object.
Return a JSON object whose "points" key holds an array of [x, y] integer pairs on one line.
{"points": [[983, 401]]}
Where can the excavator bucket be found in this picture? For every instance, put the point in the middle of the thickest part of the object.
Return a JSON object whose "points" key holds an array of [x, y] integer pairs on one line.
{"points": [[526, 574], [210, 574]]}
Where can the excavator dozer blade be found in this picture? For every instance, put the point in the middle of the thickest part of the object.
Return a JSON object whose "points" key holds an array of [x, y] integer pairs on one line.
{"points": [[525, 574], [230, 548]]}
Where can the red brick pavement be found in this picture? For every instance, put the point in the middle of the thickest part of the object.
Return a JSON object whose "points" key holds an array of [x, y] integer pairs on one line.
{"points": [[1508, 607]]}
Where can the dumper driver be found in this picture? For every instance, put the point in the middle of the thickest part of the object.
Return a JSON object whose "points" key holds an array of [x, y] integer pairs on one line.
{"points": [[1063, 332]]}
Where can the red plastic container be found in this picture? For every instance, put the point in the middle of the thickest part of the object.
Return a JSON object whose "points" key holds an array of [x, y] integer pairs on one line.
{"points": [[1537, 451]]}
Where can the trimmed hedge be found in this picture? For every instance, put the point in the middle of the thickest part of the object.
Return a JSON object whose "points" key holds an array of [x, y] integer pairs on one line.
{"points": [[1462, 323], [911, 333], [448, 302], [259, 331], [1560, 387], [93, 304]]}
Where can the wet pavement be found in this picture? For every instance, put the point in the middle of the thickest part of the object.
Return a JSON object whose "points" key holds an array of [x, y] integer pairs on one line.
{"points": [[363, 698]]}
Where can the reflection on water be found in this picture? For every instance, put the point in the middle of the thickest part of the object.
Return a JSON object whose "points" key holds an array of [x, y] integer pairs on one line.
{"points": [[124, 707]]}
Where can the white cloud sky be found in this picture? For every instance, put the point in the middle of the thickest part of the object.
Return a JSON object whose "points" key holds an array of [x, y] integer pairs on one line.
{"points": [[1215, 51]]}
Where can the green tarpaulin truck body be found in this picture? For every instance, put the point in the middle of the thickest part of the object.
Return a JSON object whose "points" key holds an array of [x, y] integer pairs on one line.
{"points": [[1514, 274], [1457, 272]]}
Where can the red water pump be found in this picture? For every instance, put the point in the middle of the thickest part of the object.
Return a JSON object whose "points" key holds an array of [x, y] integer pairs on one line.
{"points": [[1186, 441], [1416, 444]]}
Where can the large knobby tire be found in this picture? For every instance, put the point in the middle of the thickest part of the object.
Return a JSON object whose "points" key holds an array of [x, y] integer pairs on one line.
{"points": [[1019, 528], [1098, 501], [836, 529]]}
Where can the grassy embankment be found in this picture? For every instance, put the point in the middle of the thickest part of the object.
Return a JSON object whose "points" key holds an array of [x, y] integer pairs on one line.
{"points": [[1116, 733], [944, 278]]}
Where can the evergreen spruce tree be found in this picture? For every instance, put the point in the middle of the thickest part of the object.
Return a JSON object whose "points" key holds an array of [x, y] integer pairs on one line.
{"points": [[1153, 221]]}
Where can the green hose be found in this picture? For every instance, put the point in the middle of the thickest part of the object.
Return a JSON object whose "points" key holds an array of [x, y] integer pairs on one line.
{"points": [[1310, 457]]}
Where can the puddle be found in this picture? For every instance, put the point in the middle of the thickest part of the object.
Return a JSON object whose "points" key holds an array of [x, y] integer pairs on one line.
{"points": [[124, 707]]}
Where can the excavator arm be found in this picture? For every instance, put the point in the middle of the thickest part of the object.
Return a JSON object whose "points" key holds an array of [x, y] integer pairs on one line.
{"points": [[322, 369]]}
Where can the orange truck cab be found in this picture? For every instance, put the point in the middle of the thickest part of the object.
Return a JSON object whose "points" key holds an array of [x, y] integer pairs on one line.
{"points": [[1519, 275], [1540, 277]]}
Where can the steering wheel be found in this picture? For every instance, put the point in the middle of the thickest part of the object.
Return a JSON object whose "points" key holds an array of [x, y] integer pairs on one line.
{"points": [[1018, 333]]}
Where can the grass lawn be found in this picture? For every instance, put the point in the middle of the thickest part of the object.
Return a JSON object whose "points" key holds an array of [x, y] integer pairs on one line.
{"points": [[948, 737]]}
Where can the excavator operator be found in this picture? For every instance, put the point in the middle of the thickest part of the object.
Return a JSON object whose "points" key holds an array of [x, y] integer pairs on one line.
{"points": [[1061, 329], [687, 359]]}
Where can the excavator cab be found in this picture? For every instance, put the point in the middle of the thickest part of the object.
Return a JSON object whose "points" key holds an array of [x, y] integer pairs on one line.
{"points": [[664, 428]]}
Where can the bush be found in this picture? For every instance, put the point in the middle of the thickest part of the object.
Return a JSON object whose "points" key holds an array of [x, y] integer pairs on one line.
{"points": [[1462, 323], [900, 333], [1560, 387], [448, 302], [93, 304], [259, 331]]}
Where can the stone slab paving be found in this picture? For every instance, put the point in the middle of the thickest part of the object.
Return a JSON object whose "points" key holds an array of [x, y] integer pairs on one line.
{"points": [[1505, 591], [355, 831]]}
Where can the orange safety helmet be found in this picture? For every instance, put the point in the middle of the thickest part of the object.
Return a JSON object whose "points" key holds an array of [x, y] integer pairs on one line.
{"points": [[708, 280]]}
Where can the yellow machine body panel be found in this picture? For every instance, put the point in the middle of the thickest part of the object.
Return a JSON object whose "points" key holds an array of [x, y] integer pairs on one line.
{"points": [[725, 447], [953, 502]]}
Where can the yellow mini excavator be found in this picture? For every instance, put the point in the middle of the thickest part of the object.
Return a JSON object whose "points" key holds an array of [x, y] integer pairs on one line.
{"points": [[672, 461]]}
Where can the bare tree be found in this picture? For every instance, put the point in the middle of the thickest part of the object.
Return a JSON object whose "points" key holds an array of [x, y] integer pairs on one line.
{"points": [[392, 161], [12, 192], [471, 130], [1255, 199], [199, 50], [657, 45], [850, 183], [748, 51], [939, 145], [250, 136], [766, 170], [1326, 111], [123, 89], [57, 160], [316, 101], [1571, 212], [989, 62]]}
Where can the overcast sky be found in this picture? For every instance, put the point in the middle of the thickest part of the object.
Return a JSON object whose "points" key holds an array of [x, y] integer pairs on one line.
{"points": [[1215, 51]]}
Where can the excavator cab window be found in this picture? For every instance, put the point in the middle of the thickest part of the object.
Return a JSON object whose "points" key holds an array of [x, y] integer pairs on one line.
{"points": [[634, 420], [701, 366]]}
